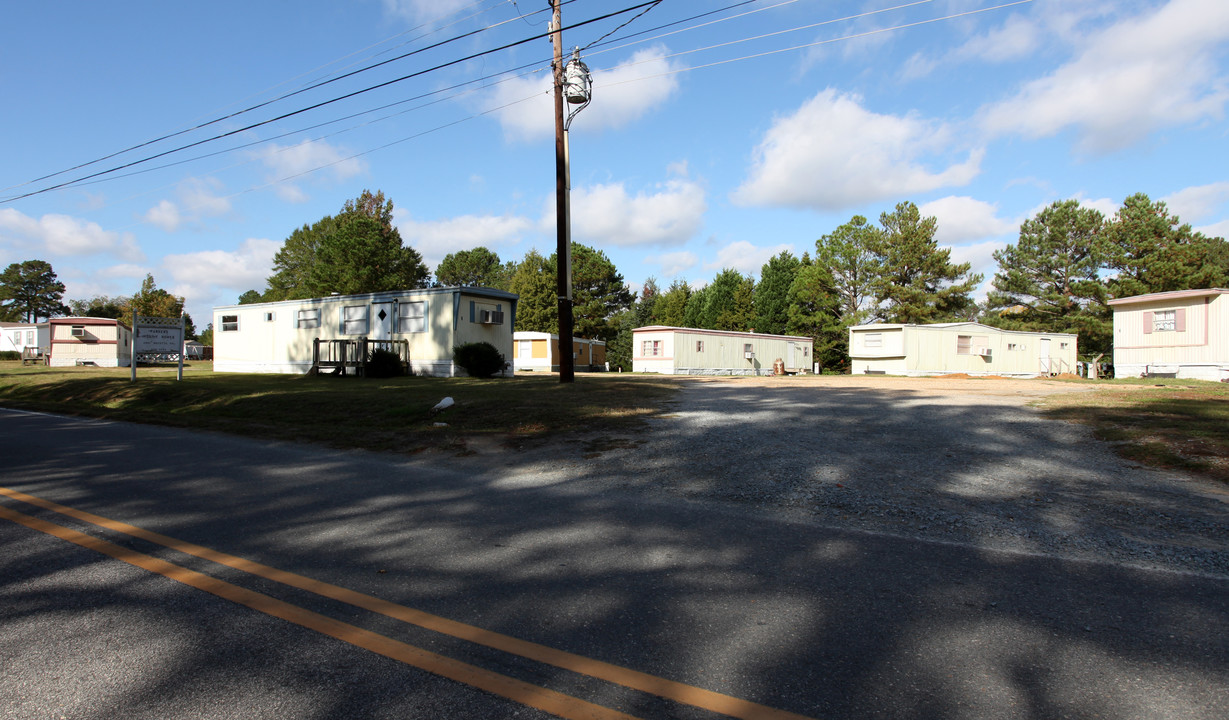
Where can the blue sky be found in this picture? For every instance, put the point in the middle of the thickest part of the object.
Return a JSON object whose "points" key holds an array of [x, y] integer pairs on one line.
{"points": [[715, 142]]}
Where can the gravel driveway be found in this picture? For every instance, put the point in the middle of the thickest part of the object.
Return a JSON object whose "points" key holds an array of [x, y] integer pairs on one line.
{"points": [[966, 461]]}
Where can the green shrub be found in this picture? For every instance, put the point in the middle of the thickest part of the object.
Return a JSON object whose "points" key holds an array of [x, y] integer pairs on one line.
{"points": [[9, 355], [384, 364], [479, 359]]}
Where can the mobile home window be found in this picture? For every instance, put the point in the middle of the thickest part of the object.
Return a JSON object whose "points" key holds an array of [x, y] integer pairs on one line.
{"points": [[307, 319], [650, 348], [699, 346], [872, 340], [354, 320], [29, 337], [230, 323], [412, 317], [964, 344], [269, 317], [748, 347], [1163, 320], [1011, 346]]}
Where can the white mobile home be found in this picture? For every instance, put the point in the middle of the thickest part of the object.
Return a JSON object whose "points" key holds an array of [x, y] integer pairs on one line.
{"points": [[961, 347], [30, 339], [278, 337], [539, 351], [691, 351], [1184, 334]]}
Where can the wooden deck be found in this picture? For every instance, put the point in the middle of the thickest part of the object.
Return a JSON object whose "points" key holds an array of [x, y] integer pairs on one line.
{"points": [[349, 357]]}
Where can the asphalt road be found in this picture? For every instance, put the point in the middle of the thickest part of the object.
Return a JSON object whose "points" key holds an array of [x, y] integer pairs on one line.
{"points": [[530, 584]]}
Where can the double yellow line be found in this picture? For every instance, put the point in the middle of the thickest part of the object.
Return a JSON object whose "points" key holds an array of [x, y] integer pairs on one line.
{"points": [[556, 703]]}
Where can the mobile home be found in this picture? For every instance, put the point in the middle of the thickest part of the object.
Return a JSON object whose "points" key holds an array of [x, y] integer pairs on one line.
{"points": [[691, 351], [89, 341], [278, 337], [960, 347], [1184, 333], [539, 351], [32, 340]]}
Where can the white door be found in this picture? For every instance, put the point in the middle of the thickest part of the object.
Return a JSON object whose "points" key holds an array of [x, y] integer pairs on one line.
{"points": [[381, 320], [1043, 353]]}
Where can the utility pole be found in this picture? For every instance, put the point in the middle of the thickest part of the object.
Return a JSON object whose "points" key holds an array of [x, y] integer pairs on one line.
{"points": [[567, 367]]}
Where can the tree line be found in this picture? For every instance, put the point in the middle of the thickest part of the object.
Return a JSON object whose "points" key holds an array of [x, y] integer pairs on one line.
{"points": [[1067, 263], [31, 290]]}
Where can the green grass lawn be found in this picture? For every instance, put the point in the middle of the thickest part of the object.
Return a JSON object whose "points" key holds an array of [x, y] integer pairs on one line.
{"points": [[387, 414], [1159, 422]]}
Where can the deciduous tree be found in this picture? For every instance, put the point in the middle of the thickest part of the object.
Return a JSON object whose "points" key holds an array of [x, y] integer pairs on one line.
{"points": [[357, 251], [478, 267]]}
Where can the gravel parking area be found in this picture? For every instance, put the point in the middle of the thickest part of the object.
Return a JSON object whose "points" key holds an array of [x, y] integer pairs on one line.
{"points": [[960, 460]]}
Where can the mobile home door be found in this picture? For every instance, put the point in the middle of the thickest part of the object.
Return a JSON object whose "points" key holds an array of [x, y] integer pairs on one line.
{"points": [[381, 320]]}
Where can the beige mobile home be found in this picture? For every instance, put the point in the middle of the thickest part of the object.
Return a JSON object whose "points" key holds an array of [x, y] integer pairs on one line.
{"points": [[539, 351], [690, 351], [961, 347], [89, 341], [277, 337], [1183, 334]]}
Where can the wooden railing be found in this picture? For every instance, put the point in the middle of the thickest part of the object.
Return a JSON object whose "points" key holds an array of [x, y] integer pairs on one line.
{"points": [[339, 357], [34, 356]]}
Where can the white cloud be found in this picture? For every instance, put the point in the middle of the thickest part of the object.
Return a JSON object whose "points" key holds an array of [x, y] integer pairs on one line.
{"points": [[834, 154], [606, 214], [424, 10], [961, 218], [1197, 203], [124, 271], [289, 162], [216, 277], [164, 215], [62, 235], [621, 95], [1016, 38], [1142, 74], [673, 264], [434, 239], [1220, 229], [744, 257]]}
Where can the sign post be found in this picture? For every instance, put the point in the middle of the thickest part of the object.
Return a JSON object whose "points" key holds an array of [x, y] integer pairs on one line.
{"points": [[157, 339]]}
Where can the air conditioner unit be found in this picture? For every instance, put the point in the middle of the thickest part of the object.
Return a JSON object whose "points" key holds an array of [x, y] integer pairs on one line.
{"points": [[984, 352], [77, 331], [749, 355], [492, 317]]}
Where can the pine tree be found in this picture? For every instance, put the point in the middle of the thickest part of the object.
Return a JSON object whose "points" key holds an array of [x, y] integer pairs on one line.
{"points": [[671, 307], [1153, 251], [771, 300], [30, 290], [728, 302], [916, 281], [814, 311], [534, 281], [848, 252]]}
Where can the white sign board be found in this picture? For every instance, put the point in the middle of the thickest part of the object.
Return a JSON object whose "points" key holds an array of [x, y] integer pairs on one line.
{"points": [[159, 338]]}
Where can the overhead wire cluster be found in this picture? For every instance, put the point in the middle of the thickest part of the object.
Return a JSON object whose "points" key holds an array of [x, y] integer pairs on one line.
{"points": [[605, 43]]}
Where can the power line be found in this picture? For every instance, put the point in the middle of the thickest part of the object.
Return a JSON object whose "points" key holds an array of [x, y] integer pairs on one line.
{"points": [[266, 103], [319, 104]]}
